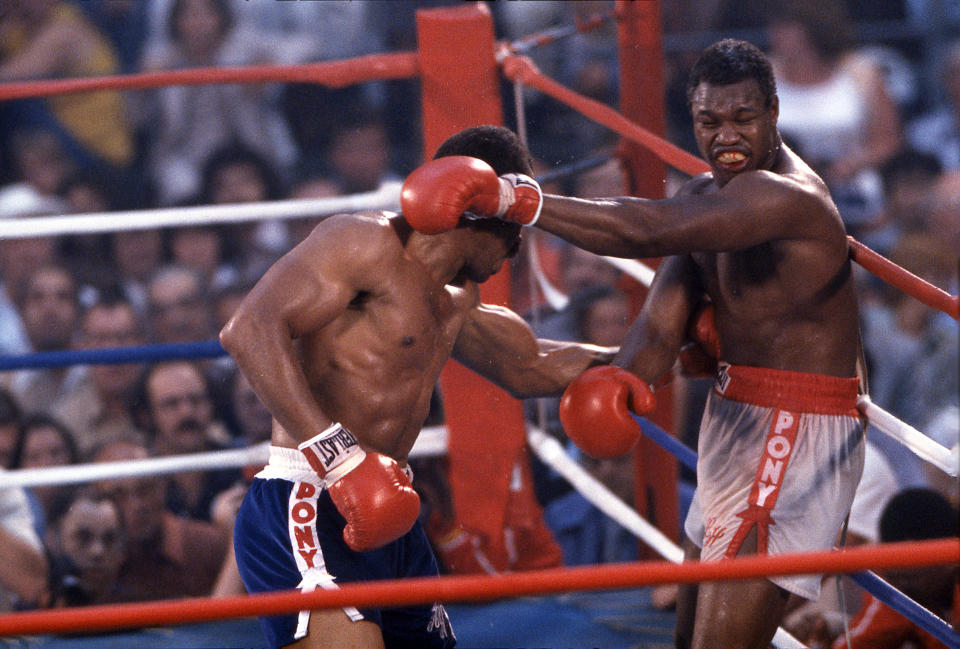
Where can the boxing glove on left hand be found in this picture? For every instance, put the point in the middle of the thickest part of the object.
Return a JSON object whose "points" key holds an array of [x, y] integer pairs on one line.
{"points": [[369, 490], [437, 193], [595, 410]]}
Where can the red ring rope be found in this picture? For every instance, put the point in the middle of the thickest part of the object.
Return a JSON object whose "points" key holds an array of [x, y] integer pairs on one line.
{"points": [[480, 588], [336, 74]]}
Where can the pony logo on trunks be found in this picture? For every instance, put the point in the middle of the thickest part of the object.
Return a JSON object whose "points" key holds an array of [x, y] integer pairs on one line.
{"points": [[766, 486]]}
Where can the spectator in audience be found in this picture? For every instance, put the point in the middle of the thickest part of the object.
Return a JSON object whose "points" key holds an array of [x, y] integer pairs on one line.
{"points": [[18, 259], [87, 550], [912, 515], [238, 174], [50, 312], [254, 421], [913, 359], [179, 416], [47, 39], [99, 409], [137, 255], [90, 190], [179, 306], [24, 572], [9, 428], [167, 556], [360, 155], [191, 122], [834, 104], [44, 442], [937, 132], [39, 160], [908, 181]]}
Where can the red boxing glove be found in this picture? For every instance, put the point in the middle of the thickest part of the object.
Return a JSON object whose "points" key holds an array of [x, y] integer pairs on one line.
{"points": [[703, 329], [369, 490], [436, 194], [595, 410]]}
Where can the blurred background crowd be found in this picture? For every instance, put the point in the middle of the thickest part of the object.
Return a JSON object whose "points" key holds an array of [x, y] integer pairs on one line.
{"points": [[869, 96]]}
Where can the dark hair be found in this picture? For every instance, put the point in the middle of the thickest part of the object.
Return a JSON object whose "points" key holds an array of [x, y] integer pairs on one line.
{"points": [[36, 420], [731, 61], [235, 154], [9, 408], [909, 162], [917, 514], [497, 146]]}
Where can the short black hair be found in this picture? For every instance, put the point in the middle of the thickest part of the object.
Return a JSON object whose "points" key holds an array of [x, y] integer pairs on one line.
{"points": [[731, 61], [917, 514], [497, 146]]}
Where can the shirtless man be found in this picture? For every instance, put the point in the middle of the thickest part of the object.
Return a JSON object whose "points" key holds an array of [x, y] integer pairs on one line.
{"points": [[344, 339], [781, 444]]}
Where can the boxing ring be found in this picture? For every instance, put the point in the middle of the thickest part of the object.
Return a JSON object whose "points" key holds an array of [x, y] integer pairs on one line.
{"points": [[448, 107]]}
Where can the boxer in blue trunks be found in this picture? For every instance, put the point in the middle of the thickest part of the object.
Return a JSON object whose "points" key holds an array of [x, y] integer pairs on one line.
{"points": [[760, 238], [343, 339]]}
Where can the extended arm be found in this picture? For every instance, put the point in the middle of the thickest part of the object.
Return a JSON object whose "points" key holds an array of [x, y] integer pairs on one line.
{"points": [[497, 344], [751, 209]]}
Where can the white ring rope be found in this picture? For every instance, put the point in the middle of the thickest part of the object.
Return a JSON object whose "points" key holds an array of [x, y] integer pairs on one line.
{"points": [[386, 197], [926, 448], [432, 441]]}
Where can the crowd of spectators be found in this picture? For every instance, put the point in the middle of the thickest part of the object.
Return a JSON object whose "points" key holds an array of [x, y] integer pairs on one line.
{"points": [[888, 146]]}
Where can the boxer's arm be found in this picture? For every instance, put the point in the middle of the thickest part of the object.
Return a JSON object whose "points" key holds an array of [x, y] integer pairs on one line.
{"points": [[302, 292], [655, 338], [497, 344], [751, 209]]}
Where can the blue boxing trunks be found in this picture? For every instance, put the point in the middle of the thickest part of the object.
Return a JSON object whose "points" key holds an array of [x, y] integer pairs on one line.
{"points": [[780, 454], [288, 535]]}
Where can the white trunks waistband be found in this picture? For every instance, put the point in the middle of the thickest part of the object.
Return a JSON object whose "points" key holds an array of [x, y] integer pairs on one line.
{"points": [[290, 464]]}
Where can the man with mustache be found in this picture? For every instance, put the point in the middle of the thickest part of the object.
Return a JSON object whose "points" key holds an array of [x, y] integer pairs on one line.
{"points": [[180, 417], [781, 444]]}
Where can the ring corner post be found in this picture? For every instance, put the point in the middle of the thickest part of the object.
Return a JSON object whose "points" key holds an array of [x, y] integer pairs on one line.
{"points": [[460, 88], [640, 52]]}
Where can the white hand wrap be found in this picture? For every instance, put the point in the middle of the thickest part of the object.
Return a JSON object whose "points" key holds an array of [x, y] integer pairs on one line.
{"points": [[333, 453], [509, 185]]}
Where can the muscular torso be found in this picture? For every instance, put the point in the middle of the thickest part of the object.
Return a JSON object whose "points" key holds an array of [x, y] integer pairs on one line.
{"points": [[785, 304], [373, 369]]}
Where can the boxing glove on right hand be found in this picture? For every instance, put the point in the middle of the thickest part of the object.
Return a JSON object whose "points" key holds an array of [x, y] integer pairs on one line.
{"points": [[595, 410], [437, 193], [369, 490]]}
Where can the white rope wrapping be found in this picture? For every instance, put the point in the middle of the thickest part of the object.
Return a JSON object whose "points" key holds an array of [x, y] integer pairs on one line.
{"points": [[924, 447], [386, 197]]}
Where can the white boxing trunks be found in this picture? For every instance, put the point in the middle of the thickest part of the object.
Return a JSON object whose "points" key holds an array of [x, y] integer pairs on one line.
{"points": [[780, 453]]}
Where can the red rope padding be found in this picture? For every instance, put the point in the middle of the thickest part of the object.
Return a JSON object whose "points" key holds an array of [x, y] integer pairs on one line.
{"points": [[904, 280], [479, 588], [520, 68], [335, 74]]}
